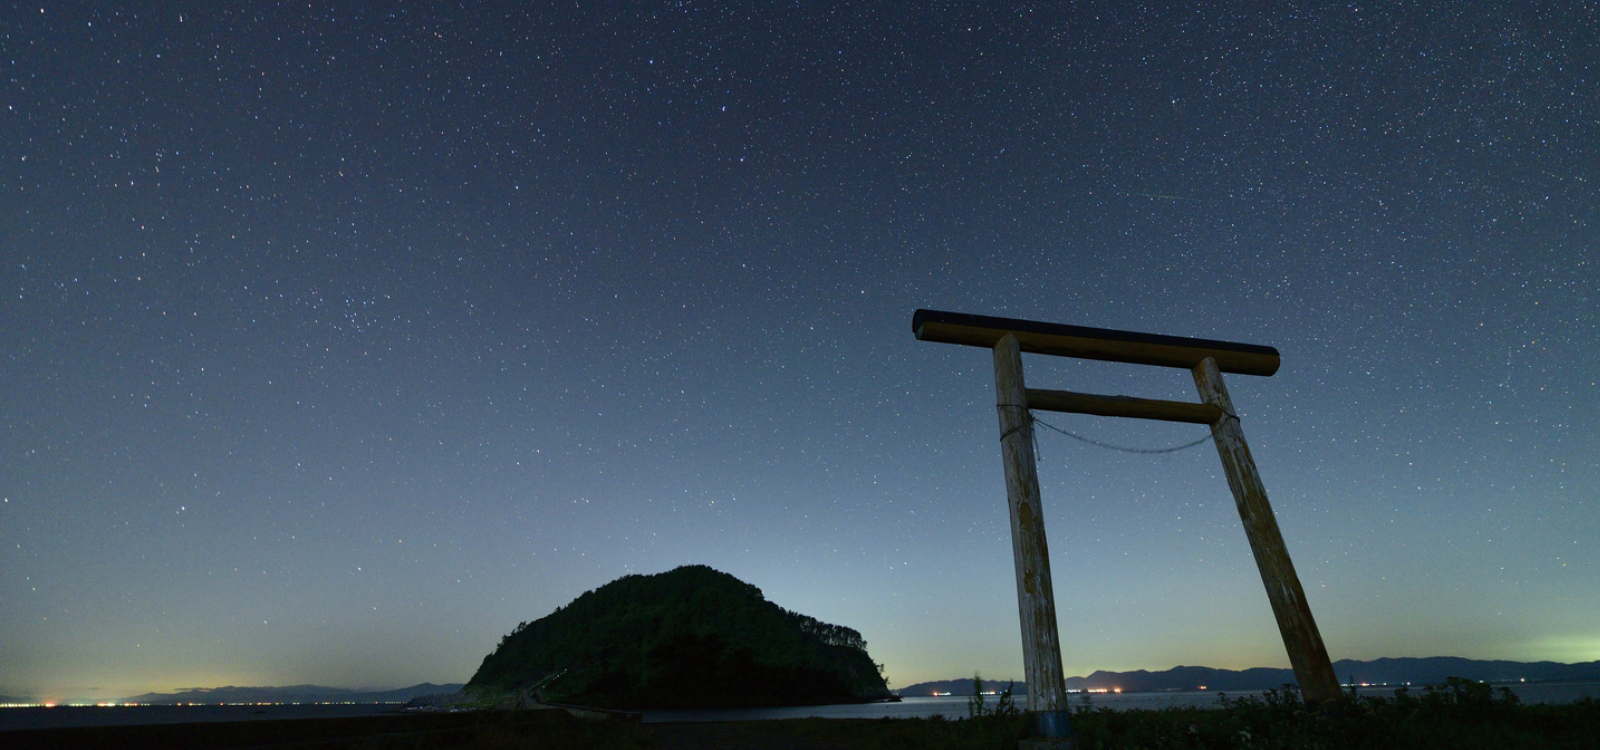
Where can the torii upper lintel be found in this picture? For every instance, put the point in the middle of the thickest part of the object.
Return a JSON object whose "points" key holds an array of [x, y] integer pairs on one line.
{"points": [[1093, 343]]}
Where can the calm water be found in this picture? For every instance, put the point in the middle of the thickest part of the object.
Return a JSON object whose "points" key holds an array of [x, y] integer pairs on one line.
{"points": [[953, 707]]}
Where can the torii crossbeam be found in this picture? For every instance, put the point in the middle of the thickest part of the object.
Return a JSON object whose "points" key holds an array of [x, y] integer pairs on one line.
{"points": [[1207, 360]]}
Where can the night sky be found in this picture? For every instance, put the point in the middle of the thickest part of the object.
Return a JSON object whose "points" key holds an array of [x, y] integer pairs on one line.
{"points": [[339, 338]]}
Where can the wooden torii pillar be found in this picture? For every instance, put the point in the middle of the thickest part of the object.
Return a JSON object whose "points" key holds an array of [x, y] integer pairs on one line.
{"points": [[1207, 360]]}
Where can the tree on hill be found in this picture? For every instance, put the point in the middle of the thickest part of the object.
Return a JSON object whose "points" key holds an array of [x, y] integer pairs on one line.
{"points": [[692, 637]]}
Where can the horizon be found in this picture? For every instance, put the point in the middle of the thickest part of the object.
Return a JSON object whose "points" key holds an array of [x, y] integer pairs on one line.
{"points": [[67, 697], [84, 695], [341, 339]]}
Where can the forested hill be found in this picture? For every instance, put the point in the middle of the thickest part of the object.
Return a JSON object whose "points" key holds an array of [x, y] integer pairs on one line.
{"points": [[692, 637]]}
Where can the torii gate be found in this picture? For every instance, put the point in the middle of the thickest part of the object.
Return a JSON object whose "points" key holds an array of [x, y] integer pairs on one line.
{"points": [[1207, 360]]}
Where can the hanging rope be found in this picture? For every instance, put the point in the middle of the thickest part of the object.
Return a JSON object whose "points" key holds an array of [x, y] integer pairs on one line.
{"points": [[1026, 416], [1122, 448]]}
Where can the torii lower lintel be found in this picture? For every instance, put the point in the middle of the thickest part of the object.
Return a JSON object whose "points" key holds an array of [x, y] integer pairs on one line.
{"points": [[1206, 360]]}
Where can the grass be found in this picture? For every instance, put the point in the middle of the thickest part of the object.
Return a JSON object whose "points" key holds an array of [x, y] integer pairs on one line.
{"points": [[1459, 715]]}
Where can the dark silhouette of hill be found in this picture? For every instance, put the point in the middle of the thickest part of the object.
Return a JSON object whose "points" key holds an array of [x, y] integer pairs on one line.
{"points": [[1436, 668], [1186, 678], [1417, 671], [691, 637], [291, 694], [1388, 671], [963, 686]]}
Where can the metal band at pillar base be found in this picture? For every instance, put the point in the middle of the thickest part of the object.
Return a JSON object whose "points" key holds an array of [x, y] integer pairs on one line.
{"points": [[1050, 725]]}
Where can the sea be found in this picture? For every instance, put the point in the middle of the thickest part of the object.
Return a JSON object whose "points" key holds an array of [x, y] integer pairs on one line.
{"points": [[951, 707]]}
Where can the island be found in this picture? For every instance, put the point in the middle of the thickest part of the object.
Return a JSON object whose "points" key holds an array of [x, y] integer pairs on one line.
{"points": [[692, 637]]}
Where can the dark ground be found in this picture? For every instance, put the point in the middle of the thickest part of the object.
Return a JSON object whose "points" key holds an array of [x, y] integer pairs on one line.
{"points": [[1459, 716]]}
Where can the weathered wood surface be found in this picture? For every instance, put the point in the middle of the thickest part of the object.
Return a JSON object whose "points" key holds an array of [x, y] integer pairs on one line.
{"points": [[1093, 343], [1122, 406], [1041, 647], [1308, 656]]}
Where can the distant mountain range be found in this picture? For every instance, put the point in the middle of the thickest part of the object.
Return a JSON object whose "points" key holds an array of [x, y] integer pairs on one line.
{"points": [[291, 694], [1415, 671], [1424, 671], [962, 687]]}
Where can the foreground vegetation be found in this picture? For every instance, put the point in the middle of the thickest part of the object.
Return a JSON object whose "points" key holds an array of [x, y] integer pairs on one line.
{"points": [[1459, 714], [1456, 715]]}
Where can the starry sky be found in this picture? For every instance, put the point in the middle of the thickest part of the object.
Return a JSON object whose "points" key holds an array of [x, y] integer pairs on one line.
{"points": [[338, 338]]}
